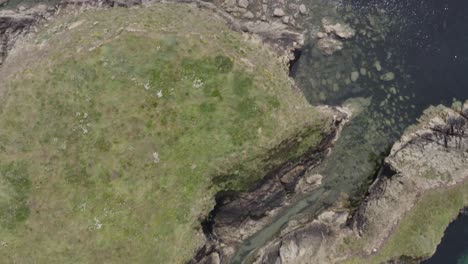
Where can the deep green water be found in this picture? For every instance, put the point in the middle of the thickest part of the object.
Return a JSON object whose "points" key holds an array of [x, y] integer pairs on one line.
{"points": [[454, 245]]}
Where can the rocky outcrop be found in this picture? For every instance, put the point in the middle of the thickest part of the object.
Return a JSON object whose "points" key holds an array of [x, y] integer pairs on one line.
{"points": [[331, 39], [15, 24], [430, 156], [287, 12], [283, 35], [237, 216]]}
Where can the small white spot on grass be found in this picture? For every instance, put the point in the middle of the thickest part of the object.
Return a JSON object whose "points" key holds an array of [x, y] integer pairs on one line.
{"points": [[82, 206], [156, 158], [159, 94], [84, 129], [147, 86], [197, 83], [97, 223], [63, 146]]}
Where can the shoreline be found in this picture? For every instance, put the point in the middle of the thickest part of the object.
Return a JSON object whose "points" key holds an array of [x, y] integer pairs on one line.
{"points": [[238, 216], [373, 233], [22, 25]]}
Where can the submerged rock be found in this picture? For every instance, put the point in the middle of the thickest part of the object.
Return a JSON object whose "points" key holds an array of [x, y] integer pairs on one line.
{"points": [[377, 65], [354, 76], [329, 45], [341, 30], [389, 76], [363, 71], [357, 105]]}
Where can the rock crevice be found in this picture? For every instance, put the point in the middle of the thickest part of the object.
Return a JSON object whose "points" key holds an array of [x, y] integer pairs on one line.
{"points": [[237, 216]]}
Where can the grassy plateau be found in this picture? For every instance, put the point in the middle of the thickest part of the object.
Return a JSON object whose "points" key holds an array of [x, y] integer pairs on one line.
{"points": [[118, 127]]}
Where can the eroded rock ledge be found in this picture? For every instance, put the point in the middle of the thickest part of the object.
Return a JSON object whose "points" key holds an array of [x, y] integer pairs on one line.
{"points": [[237, 216], [430, 157]]}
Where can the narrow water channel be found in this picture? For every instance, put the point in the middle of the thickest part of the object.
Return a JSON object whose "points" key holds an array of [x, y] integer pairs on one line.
{"points": [[407, 55]]}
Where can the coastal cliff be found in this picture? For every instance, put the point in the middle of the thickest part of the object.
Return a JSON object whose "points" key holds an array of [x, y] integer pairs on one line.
{"points": [[420, 190], [120, 125]]}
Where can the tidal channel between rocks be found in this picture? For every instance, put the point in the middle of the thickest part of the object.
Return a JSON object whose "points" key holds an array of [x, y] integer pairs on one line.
{"points": [[405, 56]]}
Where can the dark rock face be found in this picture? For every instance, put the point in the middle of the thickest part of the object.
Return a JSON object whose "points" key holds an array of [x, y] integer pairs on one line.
{"points": [[13, 26], [237, 216]]}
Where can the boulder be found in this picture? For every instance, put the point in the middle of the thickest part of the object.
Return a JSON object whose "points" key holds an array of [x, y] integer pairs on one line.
{"points": [[389, 76], [341, 30], [329, 45], [354, 76], [303, 9], [248, 15], [243, 3], [278, 12]]}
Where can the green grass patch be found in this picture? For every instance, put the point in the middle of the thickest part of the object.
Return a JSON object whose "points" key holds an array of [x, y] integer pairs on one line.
{"points": [[112, 147]]}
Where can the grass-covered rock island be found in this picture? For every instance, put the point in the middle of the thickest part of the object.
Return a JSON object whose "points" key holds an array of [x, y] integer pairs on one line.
{"points": [[118, 126]]}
